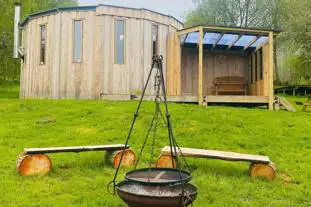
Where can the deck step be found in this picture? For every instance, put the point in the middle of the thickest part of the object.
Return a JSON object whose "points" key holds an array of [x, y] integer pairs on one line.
{"points": [[307, 104], [283, 102]]}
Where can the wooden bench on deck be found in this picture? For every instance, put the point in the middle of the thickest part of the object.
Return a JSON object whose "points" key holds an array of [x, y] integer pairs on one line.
{"points": [[230, 84], [261, 166], [34, 161]]}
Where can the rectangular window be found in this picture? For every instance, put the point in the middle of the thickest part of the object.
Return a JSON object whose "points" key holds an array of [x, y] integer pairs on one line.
{"points": [[154, 39], [77, 40], [120, 42], [42, 44]]}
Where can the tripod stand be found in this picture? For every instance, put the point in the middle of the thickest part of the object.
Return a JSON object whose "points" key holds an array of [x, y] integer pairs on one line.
{"points": [[157, 64]]}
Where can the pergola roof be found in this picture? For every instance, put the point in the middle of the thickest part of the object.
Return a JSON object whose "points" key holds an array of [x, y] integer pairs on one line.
{"points": [[228, 37]]}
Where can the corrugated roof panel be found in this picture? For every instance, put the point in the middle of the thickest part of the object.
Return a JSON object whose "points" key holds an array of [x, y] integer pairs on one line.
{"points": [[211, 38], [192, 37], [260, 41], [182, 38], [228, 39], [244, 40]]}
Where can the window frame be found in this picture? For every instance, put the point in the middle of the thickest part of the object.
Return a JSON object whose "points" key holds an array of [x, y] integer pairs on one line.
{"points": [[45, 44], [73, 41], [115, 40]]}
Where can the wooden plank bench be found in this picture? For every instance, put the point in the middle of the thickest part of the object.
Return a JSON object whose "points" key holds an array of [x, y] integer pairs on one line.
{"points": [[261, 166], [34, 161], [230, 84]]}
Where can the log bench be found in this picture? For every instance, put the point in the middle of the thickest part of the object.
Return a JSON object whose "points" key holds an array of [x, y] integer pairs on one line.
{"points": [[261, 166], [34, 161], [230, 84]]}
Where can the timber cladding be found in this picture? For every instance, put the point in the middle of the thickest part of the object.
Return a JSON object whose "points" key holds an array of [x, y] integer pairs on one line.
{"points": [[183, 80], [60, 77], [215, 65]]}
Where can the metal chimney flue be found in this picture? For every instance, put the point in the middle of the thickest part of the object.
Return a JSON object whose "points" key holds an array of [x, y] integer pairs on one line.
{"points": [[16, 29]]}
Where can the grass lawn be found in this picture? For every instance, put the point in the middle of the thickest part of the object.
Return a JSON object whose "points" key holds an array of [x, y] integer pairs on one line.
{"points": [[81, 179]]}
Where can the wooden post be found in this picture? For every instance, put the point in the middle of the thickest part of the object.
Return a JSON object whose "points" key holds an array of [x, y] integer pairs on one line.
{"points": [[178, 65], [270, 72], [200, 68], [173, 65]]}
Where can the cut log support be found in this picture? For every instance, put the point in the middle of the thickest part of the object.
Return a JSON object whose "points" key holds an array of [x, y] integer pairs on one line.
{"points": [[262, 170], [35, 162], [166, 161], [33, 165], [128, 160]]}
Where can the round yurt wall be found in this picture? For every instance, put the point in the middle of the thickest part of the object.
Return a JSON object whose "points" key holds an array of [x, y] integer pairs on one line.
{"points": [[91, 52]]}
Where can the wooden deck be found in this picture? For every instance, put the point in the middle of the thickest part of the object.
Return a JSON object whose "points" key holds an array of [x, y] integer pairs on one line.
{"points": [[237, 99], [194, 99], [180, 99]]}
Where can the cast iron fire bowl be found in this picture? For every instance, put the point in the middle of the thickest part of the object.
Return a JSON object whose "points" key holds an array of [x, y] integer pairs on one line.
{"points": [[158, 176], [137, 195]]}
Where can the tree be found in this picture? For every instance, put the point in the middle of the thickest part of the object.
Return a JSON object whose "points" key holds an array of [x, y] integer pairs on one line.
{"points": [[296, 18], [9, 67], [241, 13]]}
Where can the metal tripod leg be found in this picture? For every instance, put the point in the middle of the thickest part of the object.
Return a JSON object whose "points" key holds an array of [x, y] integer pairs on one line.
{"points": [[132, 126]]}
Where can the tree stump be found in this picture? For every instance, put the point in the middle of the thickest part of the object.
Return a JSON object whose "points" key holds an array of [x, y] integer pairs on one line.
{"points": [[165, 161], [267, 171], [33, 165], [128, 160]]}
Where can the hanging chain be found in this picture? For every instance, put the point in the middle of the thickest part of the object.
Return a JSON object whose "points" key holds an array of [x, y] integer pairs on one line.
{"points": [[159, 87]]}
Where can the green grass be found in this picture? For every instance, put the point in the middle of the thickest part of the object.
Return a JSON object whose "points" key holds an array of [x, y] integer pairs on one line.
{"points": [[81, 179], [10, 91]]}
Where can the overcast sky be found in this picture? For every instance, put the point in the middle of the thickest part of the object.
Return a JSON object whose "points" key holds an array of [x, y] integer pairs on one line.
{"points": [[175, 8]]}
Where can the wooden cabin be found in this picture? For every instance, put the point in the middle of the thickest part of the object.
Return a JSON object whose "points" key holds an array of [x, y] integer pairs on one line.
{"points": [[214, 64], [105, 52], [91, 52]]}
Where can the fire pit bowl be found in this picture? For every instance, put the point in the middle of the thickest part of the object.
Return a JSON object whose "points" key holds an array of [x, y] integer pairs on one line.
{"points": [[158, 176], [137, 195]]}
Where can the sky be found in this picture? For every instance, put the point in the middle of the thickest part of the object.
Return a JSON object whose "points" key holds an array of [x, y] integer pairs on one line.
{"points": [[175, 8]]}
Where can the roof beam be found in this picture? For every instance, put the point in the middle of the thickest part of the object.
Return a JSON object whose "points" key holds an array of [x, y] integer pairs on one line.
{"points": [[236, 30], [235, 41], [187, 31], [218, 40], [251, 42], [183, 42]]}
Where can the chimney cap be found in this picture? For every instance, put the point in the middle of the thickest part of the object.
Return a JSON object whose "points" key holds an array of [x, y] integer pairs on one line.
{"points": [[17, 4]]}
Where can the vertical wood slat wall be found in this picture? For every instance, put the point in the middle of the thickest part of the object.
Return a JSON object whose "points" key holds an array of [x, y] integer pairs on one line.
{"points": [[259, 87], [61, 78], [214, 65]]}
